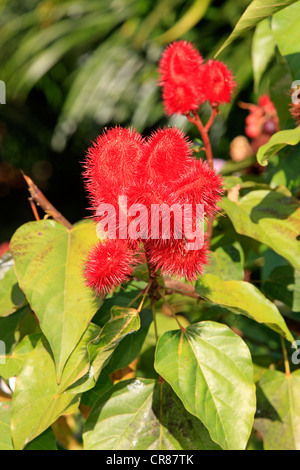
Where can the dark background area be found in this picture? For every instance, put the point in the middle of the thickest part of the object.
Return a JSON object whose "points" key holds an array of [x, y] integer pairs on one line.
{"points": [[72, 68]]}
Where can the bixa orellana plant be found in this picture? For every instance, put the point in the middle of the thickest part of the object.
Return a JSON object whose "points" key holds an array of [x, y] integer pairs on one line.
{"points": [[132, 328]]}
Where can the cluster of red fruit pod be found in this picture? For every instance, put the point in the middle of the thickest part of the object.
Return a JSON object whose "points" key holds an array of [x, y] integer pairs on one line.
{"points": [[187, 81], [157, 170]]}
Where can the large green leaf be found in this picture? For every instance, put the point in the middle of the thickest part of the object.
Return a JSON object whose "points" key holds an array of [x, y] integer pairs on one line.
{"points": [[270, 218], [285, 27], [242, 297], [226, 262], [49, 262], [284, 284], [143, 415], [11, 296], [37, 401], [256, 12], [5, 434], [278, 419], [124, 321], [277, 142], [210, 369]]}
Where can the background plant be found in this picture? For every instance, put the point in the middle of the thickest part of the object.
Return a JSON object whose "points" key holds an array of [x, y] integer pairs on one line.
{"points": [[80, 361]]}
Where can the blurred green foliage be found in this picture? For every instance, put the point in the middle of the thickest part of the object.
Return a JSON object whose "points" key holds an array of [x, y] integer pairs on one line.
{"points": [[73, 67]]}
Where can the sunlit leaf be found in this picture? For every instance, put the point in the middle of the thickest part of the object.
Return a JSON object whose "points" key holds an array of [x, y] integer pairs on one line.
{"points": [[271, 218], [242, 298], [143, 415], [256, 12], [49, 262], [210, 369], [278, 417]]}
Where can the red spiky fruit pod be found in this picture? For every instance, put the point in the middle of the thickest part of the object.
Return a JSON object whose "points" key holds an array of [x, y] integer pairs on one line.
{"points": [[109, 264], [174, 259], [155, 206], [165, 157], [180, 71], [111, 164], [199, 185], [217, 83]]}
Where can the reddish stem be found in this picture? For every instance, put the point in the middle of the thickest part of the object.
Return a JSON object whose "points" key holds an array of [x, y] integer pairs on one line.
{"points": [[196, 120]]}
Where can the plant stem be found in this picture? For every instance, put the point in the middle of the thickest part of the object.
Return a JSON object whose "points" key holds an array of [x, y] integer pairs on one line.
{"points": [[154, 320], [285, 357], [196, 120], [173, 313], [144, 295]]}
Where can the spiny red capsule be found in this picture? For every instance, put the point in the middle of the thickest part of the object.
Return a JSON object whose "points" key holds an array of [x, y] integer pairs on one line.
{"points": [[111, 164], [174, 259], [217, 83], [109, 264], [199, 185], [165, 156], [180, 73]]}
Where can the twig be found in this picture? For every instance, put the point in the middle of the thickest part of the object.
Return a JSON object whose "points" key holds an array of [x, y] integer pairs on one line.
{"points": [[195, 119], [38, 197]]}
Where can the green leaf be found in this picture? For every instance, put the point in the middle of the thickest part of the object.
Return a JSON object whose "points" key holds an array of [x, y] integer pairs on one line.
{"points": [[11, 296], [124, 321], [242, 298], [45, 441], [254, 14], [285, 171], [210, 369], [143, 415], [130, 347], [284, 285], [37, 402], [49, 262], [280, 81], [12, 330], [271, 218], [14, 361], [226, 263], [285, 27], [263, 49], [5, 434], [278, 419], [277, 142]]}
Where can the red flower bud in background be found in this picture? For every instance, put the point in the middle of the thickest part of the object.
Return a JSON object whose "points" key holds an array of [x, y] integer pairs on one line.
{"points": [[262, 121], [217, 83], [180, 70], [295, 106], [4, 247], [295, 112]]}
